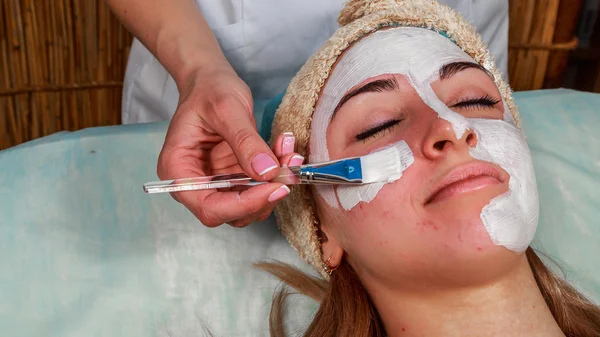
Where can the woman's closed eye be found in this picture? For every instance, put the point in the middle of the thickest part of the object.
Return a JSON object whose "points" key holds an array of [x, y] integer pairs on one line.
{"points": [[477, 103], [378, 130], [483, 102]]}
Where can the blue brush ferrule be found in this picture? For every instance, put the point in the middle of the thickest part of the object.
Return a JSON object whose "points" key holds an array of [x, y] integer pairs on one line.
{"points": [[348, 169]]}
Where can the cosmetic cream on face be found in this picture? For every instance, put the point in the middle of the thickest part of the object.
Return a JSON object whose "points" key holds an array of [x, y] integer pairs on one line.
{"points": [[418, 54]]}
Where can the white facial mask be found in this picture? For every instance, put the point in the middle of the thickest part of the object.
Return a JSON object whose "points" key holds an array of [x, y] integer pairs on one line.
{"points": [[418, 54], [350, 196], [510, 219]]}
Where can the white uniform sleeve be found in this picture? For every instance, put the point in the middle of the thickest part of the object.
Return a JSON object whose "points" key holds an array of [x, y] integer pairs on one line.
{"points": [[267, 41]]}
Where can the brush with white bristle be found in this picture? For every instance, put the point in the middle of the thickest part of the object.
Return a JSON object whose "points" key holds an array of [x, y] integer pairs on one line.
{"points": [[384, 165]]}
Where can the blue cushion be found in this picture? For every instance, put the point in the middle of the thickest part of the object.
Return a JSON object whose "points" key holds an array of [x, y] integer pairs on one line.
{"points": [[269, 115]]}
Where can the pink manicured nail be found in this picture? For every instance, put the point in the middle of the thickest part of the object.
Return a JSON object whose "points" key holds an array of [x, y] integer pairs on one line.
{"points": [[279, 193], [287, 146], [296, 160], [263, 163]]}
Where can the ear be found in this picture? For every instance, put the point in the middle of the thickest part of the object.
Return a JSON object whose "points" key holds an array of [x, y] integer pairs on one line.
{"points": [[331, 248]]}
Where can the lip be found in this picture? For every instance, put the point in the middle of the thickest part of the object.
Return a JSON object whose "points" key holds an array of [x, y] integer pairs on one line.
{"points": [[464, 179]]}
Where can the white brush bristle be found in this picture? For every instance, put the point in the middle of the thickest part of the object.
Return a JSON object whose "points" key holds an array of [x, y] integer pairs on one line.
{"points": [[387, 164]]}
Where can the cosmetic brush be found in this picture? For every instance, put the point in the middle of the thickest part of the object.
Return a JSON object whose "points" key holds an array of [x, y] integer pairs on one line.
{"points": [[379, 166]]}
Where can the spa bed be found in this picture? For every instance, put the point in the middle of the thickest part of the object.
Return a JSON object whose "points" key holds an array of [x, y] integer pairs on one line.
{"points": [[84, 252]]}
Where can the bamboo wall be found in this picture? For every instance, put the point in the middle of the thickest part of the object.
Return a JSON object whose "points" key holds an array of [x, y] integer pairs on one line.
{"points": [[541, 34], [62, 62], [61, 67]]}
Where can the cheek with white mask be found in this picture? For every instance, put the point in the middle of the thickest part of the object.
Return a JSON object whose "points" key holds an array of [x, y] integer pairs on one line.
{"points": [[418, 54]]}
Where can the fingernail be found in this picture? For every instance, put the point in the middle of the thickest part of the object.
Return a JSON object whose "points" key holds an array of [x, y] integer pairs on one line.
{"points": [[288, 143], [279, 193], [263, 163], [296, 160]]}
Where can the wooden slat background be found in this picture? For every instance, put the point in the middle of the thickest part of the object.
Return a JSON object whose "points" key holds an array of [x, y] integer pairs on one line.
{"points": [[62, 62], [61, 67]]}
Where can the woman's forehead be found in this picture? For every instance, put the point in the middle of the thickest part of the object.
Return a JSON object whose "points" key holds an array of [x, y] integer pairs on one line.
{"points": [[388, 82], [417, 52]]}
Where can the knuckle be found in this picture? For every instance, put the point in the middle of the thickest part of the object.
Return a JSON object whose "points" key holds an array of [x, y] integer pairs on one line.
{"points": [[253, 208], [209, 219], [224, 104], [164, 165], [210, 223], [264, 216], [243, 140], [243, 223], [161, 165], [240, 224], [176, 197]]}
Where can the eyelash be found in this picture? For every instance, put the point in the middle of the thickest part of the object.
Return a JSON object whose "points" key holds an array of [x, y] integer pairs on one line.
{"points": [[379, 130], [486, 101]]}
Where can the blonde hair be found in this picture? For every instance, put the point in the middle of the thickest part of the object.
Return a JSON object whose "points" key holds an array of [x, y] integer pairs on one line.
{"points": [[343, 299]]}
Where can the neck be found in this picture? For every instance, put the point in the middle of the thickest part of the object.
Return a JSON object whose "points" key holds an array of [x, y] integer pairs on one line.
{"points": [[512, 306]]}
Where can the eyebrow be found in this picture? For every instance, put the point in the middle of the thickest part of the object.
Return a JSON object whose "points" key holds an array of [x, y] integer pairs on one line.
{"points": [[451, 69], [384, 84], [390, 84]]}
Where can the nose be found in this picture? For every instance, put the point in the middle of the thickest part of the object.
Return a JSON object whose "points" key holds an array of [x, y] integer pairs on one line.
{"points": [[441, 139]]}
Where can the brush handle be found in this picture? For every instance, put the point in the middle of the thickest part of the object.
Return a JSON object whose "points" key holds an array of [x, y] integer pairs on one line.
{"points": [[285, 176]]}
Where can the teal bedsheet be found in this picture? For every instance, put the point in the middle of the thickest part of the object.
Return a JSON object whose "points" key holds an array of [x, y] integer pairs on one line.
{"points": [[84, 252]]}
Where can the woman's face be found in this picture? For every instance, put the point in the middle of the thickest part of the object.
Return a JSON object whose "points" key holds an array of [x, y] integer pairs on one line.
{"points": [[425, 228]]}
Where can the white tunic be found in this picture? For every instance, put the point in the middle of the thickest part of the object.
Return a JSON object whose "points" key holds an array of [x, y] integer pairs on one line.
{"points": [[267, 41]]}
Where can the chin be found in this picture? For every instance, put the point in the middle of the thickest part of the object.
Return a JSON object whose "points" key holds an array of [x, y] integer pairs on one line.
{"points": [[466, 253], [460, 216], [472, 258]]}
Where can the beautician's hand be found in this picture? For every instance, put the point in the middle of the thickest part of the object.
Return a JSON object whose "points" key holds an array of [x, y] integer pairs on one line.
{"points": [[213, 132], [223, 161], [213, 129]]}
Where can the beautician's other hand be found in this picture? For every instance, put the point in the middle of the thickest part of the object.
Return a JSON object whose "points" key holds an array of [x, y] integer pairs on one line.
{"points": [[214, 132]]}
